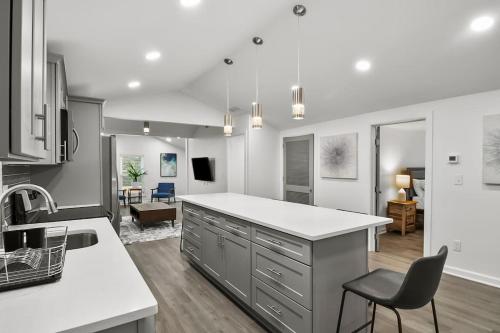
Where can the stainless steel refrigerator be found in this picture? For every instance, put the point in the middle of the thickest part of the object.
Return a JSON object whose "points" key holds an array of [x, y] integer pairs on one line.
{"points": [[110, 181]]}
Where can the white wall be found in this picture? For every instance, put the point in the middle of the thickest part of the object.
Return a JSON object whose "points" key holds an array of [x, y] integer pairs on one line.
{"points": [[236, 159], [263, 162], [262, 147], [401, 146], [469, 213], [150, 148], [171, 107], [211, 147]]}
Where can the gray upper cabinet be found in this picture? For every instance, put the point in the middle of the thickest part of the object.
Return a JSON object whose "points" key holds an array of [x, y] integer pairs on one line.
{"points": [[24, 113], [237, 264], [56, 99]]}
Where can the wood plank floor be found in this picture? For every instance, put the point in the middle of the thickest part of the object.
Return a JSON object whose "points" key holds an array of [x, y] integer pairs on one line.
{"points": [[189, 303]]}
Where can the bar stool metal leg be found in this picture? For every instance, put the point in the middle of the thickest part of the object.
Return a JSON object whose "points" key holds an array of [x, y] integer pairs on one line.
{"points": [[435, 316], [373, 316], [400, 328], [341, 310]]}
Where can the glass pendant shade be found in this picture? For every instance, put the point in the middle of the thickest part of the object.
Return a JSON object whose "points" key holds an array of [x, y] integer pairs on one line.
{"points": [[146, 128], [256, 115], [298, 108], [228, 124]]}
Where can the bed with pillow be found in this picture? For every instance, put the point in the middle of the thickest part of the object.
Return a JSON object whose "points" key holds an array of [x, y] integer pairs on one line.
{"points": [[417, 191]]}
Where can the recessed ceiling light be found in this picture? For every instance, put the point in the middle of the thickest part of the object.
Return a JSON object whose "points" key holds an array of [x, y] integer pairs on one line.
{"points": [[134, 84], [178, 138], [190, 3], [482, 23], [363, 65], [169, 139], [153, 55]]}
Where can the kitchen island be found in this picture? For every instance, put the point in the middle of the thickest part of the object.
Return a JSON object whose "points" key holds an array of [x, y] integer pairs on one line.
{"points": [[101, 290], [284, 263]]}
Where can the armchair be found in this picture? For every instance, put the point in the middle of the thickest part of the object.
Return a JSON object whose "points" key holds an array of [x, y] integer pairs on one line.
{"points": [[122, 196], [163, 191]]}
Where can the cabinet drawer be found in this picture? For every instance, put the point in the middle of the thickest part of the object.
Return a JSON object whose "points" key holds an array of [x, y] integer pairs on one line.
{"points": [[289, 277], [191, 212], [213, 218], [192, 249], [291, 246], [279, 310], [236, 226], [192, 227]]}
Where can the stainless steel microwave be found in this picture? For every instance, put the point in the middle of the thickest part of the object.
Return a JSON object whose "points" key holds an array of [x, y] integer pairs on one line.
{"points": [[69, 136]]}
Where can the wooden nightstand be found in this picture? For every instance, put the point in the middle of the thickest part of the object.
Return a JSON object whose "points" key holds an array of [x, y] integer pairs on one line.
{"points": [[404, 215]]}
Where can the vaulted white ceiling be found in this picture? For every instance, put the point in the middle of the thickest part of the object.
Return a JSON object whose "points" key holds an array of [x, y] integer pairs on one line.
{"points": [[421, 50], [104, 41]]}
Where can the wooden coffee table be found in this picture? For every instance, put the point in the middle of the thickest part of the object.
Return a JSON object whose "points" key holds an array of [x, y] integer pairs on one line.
{"points": [[148, 213]]}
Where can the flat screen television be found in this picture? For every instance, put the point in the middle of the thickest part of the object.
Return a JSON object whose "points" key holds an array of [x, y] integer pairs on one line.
{"points": [[202, 169]]}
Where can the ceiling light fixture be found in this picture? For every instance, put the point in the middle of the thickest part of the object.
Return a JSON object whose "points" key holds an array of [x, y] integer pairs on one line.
{"points": [[298, 108], [482, 23], [169, 139], [363, 65], [190, 3], [228, 118], [134, 84], [146, 128], [153, 56], [256, 106], [178, 138]]}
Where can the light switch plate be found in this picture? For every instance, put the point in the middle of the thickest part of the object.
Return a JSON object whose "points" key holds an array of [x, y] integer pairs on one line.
{"points": [[457, 245], [459, 180]]}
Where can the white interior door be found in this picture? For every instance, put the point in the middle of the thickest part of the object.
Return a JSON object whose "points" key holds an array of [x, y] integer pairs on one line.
{"points": [[236, 164]]}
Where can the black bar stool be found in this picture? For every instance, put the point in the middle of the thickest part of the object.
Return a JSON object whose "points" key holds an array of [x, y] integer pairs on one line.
{"points": [[395, 290]]}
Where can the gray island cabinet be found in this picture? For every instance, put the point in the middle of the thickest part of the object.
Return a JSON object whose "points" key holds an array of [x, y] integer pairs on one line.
{"points": [[284, 263]]}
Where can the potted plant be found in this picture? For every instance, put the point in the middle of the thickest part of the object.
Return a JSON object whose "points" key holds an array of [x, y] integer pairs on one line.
{"points": [[134, 173]]}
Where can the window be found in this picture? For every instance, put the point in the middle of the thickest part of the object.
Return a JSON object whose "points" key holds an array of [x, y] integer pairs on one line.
{"points": [[136, 160]]}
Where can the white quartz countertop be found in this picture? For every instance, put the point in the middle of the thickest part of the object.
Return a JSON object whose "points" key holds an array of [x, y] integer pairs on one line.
{"points": [[304, 221], [100, 288]]}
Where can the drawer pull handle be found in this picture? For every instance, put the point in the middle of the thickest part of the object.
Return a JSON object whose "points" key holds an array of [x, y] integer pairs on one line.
{"points": [[190, 249], [211, 219], [190, 227], [274, 271], [191, 212], [275, 310], [233, 227], [274, 241]]}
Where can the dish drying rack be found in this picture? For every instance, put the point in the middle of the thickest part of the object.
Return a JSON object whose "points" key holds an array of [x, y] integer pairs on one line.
{"points": [[33, 266]]}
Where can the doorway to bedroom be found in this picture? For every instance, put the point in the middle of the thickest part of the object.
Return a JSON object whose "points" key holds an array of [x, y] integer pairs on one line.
{"points": [[400, 187]]}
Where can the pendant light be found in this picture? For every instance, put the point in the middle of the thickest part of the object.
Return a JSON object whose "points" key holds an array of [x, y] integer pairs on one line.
{"points": [[146, 128], [256, 106], [228, 118], [297, 90]]}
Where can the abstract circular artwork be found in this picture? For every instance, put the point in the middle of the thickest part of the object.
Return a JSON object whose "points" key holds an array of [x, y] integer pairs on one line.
{"points": [[339, 156]]}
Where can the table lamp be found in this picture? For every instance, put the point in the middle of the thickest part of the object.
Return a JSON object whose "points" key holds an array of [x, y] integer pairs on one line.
{"points": [[403, 182]]}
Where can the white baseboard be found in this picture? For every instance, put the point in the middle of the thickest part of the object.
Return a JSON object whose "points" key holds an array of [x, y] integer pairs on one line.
{"points": [[473, 276]]}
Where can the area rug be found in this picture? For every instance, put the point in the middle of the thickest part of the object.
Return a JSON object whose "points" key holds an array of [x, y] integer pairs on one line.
{"points": [[131, 233]]}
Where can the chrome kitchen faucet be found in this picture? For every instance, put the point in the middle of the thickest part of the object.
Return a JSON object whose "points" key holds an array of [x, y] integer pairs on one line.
{"points": [[49, 202]]}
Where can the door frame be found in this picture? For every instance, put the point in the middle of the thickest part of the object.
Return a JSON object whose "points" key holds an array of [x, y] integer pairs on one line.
{"points": [[310, 138], [428, 118]]}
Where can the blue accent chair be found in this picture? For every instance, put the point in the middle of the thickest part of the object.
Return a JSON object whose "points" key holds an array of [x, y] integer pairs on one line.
{"points": [[122, 197], [163, 191]]}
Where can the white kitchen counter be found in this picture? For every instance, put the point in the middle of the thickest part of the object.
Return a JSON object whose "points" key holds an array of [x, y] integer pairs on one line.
{"points": [[309, 222], [100, 288]]}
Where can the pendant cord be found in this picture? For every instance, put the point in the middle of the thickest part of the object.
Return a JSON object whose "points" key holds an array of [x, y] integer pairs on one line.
{"points": [[298, 50], [256, 74], [227, 89]]}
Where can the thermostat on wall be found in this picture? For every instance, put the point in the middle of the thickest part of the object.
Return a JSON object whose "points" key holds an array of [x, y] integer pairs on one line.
{"points": [[453, 158]]}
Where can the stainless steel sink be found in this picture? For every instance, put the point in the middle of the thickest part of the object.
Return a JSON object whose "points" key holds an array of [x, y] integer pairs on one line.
{"points": [[81, 239]]}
